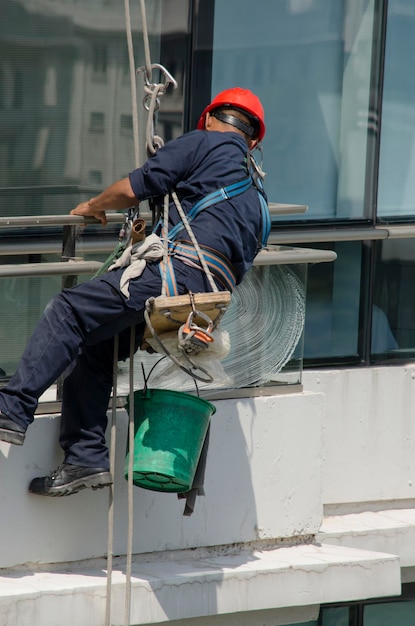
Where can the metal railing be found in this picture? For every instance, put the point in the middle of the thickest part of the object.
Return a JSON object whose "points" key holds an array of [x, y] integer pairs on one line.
{"points": [[71, 266]]}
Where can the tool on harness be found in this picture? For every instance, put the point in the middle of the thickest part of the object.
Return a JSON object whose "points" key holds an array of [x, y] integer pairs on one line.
{"points": [[192, 336], [124, 237]]}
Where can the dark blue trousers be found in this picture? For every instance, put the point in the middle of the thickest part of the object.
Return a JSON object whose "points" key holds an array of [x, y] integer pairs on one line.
{"points": [[75, 337]]}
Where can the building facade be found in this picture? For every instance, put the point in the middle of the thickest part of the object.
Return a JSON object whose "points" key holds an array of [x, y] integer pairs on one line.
{"points": [[309, 514]]}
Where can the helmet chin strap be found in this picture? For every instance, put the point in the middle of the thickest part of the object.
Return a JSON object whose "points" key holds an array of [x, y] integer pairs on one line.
{"points": [[227, 118]]}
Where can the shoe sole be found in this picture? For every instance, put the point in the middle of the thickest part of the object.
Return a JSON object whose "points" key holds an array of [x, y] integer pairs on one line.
{"points": [[95, 481], [12, 436]]}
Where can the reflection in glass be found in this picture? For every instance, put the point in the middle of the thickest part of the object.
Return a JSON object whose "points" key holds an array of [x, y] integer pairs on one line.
{"points": [[333, 303], [264, 338], [335, 616], [65, 94], [22, 301], [390, 614], [310, 63], [397, 156], [394, 296]]}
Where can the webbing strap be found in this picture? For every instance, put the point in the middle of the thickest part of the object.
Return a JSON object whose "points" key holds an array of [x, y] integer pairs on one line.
{"points": [[266, 220], [167, 271], [224, 193], [219, 267]]}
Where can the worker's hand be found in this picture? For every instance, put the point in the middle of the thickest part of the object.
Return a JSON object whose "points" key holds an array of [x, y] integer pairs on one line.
{"points": [[84, 208]]}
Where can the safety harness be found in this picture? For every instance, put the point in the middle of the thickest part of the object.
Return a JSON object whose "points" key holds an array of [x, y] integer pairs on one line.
{"points": [[183, 250]]}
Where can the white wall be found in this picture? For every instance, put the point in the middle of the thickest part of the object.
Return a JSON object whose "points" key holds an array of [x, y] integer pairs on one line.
{"points": [[347, 443], [369, 435], [262, 482]]}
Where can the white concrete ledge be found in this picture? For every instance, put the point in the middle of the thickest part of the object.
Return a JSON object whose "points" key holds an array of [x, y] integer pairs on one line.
{"points": [[391, 531], [184, 586]]}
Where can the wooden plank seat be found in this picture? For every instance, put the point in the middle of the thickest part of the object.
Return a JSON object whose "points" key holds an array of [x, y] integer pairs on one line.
{"points": [[168, 313]]}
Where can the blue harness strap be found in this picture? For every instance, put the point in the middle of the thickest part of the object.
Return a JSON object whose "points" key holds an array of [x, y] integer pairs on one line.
{"points": [[167, 270], [224, 193], [218, 265], [266, 220]]}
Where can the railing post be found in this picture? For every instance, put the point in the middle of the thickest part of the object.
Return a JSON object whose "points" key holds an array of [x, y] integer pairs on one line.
{"points": [[68, 253]]}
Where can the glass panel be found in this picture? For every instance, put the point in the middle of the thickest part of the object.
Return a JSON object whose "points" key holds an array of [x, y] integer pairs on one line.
{"points": [[313, 623], [390, 614], [310, 63], [265, 336], [65, 95], [65, 128], [333, 303], [335, 617], [22, 301], [397, 156], [393, 332]]}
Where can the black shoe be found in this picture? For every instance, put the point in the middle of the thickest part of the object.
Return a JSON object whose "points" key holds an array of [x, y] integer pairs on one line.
{"points": [[10, 431], [68, 479]]}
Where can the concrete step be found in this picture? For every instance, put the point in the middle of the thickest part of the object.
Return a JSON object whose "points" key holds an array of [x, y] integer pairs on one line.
{"points": [[192, 584]]}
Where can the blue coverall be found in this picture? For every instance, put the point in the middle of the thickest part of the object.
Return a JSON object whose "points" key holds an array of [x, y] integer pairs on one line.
{"points": [[76, 331]]}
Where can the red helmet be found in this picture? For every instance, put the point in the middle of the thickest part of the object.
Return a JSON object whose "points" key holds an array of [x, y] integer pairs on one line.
{"points": [[240, 99]]}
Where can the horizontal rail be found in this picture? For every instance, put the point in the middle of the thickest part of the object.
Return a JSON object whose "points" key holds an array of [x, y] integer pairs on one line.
{"points": [[272, 255], [47, 190], [64, 268], [27, 221], [281, 255], [33, 221]]}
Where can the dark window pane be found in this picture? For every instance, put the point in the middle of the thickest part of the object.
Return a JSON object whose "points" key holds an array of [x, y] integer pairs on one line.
{"points": [[393, 334], [333, 304], [390, 614], [335, 616]]}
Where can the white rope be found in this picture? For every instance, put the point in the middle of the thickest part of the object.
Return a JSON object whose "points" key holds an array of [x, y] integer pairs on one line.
{"points": [[130, 482], [133, 82], [194, 241], [110, 548], [146, 40], [164, 236], [153, 143], [116, 344]]}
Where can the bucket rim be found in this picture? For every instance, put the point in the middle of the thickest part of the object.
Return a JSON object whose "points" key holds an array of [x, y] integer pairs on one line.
{"points": [[149, 390]]}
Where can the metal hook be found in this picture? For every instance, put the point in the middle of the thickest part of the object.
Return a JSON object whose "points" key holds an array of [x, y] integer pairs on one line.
{"points": [[168, 78]]}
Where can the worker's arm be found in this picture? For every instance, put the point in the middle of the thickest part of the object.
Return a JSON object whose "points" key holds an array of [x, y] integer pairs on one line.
{"points": [[117, 196]]}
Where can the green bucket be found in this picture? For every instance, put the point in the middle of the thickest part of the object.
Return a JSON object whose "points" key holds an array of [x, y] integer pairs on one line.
{"points": [[169, 430]]}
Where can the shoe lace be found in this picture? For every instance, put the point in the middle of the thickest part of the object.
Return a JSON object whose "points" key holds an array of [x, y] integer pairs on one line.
{"points": [[57, 471]]}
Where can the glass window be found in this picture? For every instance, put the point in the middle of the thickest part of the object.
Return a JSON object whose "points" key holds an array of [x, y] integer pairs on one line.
{"points": [[63, 74], [126, 125], [310, 63], [97, 122], [313, 623], [22, 301], [333, 305], [393, 328], [99, 59], [390, 614], [396, 196], [337, 616]]}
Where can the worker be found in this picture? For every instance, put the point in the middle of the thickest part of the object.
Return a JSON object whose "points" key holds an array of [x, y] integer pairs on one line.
{"points": [[75, 335]]}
